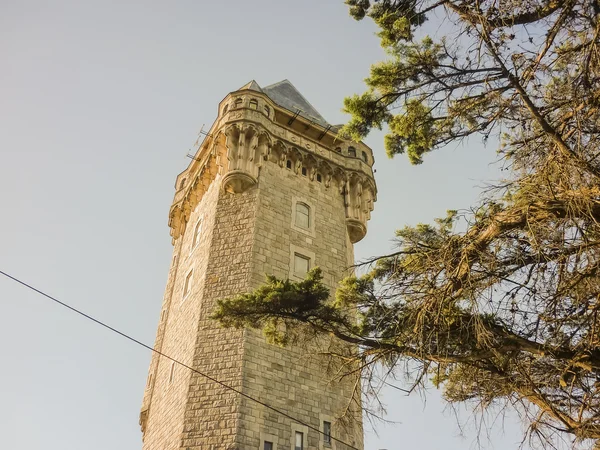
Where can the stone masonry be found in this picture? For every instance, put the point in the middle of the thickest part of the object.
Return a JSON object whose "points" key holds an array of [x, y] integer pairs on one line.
{"points": [[234, 219]]}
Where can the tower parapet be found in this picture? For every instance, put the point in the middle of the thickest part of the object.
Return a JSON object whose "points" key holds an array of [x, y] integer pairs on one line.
{"points": [[253, 130]]}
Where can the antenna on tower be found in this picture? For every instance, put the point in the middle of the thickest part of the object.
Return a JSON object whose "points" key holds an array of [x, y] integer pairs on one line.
{"points": [[322, 135], [202, 135], [291, 121]]}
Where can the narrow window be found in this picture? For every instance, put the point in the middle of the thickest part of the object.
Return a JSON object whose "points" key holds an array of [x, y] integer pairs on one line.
{"points": [[319, 178], [299, 441], [172, 372], [163, 314], [238, 103], [197, 233], [253, 104], [267, 111], [225, 109], [338, 149], [268, 446], [304, 171], [149, 381], [301, 264], [188, 284], [302, 215], [288, 164], [365, 157], [327, 432], [352, 152], [182, 184]]}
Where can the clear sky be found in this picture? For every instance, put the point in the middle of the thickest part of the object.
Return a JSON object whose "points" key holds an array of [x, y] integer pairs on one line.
{"points": [[99, 103]]}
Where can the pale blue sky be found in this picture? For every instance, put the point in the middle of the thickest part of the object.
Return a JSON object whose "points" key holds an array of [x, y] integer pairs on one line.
{"points": [[99, 104]]}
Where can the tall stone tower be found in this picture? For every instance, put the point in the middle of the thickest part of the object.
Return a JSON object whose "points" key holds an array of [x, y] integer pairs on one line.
{"points": [[270, 190]]}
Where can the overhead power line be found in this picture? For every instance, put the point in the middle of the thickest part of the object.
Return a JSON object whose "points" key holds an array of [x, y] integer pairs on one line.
{"points": [[140, 343]]}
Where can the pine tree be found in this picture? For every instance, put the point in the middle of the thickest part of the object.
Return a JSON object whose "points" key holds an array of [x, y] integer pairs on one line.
{"points": [[508, 309]]}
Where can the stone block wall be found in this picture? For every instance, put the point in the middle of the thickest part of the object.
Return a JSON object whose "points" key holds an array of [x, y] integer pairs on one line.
{"points": [[292, 379], [212, 412], [244, 236], [167, 395]]}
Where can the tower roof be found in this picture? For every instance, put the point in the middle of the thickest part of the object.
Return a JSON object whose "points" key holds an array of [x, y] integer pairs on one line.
{"points": [[286, 95], [252, 86]]}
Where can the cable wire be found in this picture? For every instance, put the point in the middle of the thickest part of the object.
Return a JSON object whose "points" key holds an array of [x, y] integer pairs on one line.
{"points": [[214, 380]]}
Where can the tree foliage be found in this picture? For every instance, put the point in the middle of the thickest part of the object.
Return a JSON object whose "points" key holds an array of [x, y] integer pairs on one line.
{"points": [[507, 310]]}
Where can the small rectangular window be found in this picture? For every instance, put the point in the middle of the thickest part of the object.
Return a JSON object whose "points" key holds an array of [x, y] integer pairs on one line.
{"points": [[327, 432], [301, 264], [188, 284], [268, 446], [299, 441], [172, 372]]}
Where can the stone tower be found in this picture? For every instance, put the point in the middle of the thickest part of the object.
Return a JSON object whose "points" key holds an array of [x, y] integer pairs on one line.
{"points": [[270, 190]]}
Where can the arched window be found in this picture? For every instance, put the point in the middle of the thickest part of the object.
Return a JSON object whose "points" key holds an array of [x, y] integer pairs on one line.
{"points": [[182, 183], [253, 104], [267, 111], [304, 171], [319, 178], [225, 109], [288, 164], [238, 103], [197, 233], [365, 157], [302, 215], [352, 152]]}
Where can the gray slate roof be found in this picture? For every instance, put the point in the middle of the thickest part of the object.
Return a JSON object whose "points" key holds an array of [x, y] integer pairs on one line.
{"points": [[286, 95]]}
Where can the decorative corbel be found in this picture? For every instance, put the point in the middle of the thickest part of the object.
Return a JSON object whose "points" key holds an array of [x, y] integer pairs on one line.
{"points": [[230, 143], [267, 150], [241, 145], [253, 146], [282, 158], [346, 192], [359, 193]]}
